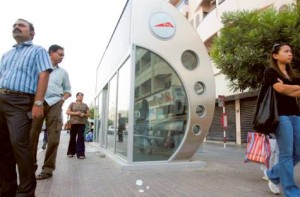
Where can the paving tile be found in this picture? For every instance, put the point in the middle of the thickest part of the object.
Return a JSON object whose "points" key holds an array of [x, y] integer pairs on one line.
{"points": [[224, 175]]}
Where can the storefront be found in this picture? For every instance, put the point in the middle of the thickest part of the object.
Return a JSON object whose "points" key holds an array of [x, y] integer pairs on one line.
{"points": [[155, 91]]}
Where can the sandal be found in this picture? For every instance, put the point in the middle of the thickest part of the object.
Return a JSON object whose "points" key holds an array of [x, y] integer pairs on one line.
{"points": [[43, 175]]}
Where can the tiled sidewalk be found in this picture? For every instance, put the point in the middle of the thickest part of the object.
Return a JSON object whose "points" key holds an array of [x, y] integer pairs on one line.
{"points": [[225, 175]]}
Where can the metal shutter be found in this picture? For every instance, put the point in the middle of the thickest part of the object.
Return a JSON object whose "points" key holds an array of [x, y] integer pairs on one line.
{"points": [[247, 110], [216, 130]]}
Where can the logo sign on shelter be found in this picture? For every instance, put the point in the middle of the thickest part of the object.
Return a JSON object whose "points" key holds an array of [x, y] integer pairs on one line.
{"points": [[162, 26]]}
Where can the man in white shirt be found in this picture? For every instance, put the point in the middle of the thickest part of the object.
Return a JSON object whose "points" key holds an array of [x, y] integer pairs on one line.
{"points": [[59, 90]]}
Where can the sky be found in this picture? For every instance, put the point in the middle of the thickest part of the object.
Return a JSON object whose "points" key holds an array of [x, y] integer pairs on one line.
{"points": [[83, 28]]}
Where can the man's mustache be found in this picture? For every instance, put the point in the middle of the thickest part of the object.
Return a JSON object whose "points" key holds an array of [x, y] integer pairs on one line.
{"points": [[17, 30]]}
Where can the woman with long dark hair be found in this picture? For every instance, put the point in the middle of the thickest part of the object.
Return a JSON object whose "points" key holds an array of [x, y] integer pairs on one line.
{"points": [[79, 113], [285, 82]]}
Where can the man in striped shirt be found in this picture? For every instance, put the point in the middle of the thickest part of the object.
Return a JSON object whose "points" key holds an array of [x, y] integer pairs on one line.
{"points": [[24, 74]]}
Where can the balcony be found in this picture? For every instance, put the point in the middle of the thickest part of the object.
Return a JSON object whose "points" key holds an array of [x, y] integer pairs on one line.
{"points": [[211, 23]]}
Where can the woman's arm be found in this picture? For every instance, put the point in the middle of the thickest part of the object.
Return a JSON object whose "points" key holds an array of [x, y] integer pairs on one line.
{"points": [[71, 113], [87, 114], [289, 90], [295, 94]]}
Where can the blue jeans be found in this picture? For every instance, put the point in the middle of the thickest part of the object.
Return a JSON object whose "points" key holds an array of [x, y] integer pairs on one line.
{"points": [[288, 139]]}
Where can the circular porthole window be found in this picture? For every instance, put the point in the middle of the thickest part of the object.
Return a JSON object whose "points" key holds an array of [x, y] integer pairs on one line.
{"points": [[200, 110], [189, 60], [196, 129], [199, 87]]}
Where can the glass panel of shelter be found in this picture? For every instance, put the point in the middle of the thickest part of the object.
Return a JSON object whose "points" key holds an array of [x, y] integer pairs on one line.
{"points": [[160, 108], [111, 118], [123, 109]]}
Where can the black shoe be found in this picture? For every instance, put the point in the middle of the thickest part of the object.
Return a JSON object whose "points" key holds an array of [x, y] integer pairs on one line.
{"points": [[43, 175]]}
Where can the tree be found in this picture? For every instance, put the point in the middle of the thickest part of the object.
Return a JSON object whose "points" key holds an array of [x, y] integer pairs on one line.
{"points": [[92, 110], [242, 50]]}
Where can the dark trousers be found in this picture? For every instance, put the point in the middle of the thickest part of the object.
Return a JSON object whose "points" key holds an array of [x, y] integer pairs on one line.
{"points": [[15, 124], [52, 114], [76, 143], [120, 134], [45, 137]]}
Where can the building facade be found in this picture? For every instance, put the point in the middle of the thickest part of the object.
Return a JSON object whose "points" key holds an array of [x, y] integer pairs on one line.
{"points": [[205, 17]]}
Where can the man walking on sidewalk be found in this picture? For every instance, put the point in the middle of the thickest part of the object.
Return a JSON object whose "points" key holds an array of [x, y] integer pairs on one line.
{"points": [[24, 74], [59, 90]]}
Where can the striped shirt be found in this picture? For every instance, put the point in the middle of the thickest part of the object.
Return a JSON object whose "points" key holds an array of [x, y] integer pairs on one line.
{"points": [[20, 67]]}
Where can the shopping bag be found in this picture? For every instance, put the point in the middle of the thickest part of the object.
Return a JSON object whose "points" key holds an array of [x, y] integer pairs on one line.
{"points": [[258, 148]]}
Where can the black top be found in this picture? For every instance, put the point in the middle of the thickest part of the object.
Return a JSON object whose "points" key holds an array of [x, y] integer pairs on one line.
{"points": [[287, 105]]}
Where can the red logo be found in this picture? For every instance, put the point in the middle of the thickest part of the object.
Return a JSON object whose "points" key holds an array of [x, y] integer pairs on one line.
{"points": [[166, 24]]}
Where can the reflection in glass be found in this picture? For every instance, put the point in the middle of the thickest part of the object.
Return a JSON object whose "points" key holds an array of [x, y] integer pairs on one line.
{"points": [[123, 107], [100, 132], [189, 60], [98, 116], [160, 108], [111, 119]]}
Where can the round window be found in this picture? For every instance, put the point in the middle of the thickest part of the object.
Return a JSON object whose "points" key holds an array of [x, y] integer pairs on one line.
{"points": [[189, 60], [196, 129], [199, 87], [200, 110]]}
